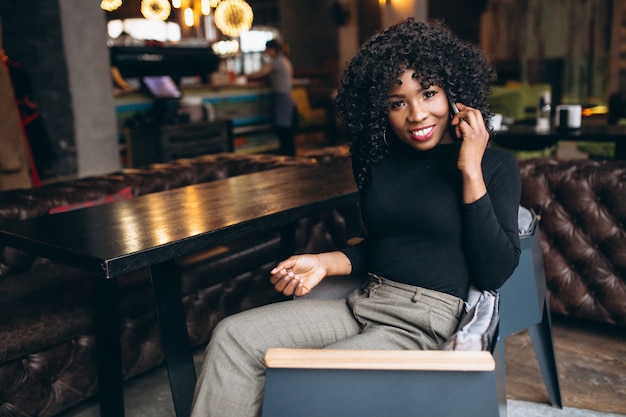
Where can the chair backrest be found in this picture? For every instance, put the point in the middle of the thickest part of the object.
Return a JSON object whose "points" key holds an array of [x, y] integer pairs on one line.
{"points": [[523, 294]]}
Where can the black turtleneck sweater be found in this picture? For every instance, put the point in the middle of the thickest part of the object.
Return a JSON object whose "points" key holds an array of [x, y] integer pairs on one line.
{"points": [[421, 233]]}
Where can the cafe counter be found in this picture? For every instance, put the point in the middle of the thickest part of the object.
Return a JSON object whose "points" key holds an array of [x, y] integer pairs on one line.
{"points": [[246, 107]]}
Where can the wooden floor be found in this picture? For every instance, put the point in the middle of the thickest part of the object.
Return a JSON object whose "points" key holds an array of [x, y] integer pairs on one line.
{"points": [[591, 359]]}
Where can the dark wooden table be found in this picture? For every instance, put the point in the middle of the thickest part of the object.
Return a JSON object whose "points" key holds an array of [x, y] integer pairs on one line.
{"points": [[524, 137], [151, 231]]}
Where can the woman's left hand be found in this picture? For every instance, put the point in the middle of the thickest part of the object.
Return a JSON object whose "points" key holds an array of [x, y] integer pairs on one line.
{"points": [[470, 127]]}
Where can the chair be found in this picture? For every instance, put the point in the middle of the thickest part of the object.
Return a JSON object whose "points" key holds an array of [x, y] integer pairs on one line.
{"points": [[524, 304], [346, 383], [316, 382], [309, 118]]}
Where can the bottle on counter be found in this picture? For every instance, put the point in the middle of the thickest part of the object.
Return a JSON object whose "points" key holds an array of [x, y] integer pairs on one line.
{"points": [[544, 107]]}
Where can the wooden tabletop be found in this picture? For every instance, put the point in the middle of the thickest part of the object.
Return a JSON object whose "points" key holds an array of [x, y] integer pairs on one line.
{"points": [[120, 237]]}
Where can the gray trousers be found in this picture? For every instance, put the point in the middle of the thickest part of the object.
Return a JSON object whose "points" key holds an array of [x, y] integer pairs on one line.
{"points": [[383, 315]]}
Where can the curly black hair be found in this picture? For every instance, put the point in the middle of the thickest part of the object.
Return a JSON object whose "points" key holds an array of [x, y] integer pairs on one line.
{"points": [[438, 58]]}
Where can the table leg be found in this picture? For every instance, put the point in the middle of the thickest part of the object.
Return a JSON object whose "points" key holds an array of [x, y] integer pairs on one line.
{"points": [[174, 337], [108, 351]]}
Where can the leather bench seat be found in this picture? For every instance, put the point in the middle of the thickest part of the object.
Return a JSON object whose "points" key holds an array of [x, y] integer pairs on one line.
{"points": [[582, 206]]}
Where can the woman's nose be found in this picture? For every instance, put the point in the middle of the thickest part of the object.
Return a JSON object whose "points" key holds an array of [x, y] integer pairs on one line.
{"points": [[416, 113]]}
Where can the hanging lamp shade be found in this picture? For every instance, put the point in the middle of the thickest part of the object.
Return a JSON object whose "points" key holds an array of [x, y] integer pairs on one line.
{"points": [[232, 17], [110, 5], [155, 9]]}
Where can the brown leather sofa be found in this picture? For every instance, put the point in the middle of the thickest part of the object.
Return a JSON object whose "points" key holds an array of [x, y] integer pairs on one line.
{"points": [[582, 209], [47, 348]]}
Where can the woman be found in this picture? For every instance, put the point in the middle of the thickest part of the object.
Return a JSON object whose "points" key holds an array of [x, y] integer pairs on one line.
{"points": [[440, 209]]}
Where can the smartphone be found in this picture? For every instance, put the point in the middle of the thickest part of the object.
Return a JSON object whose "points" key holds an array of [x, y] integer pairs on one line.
{"points": [[453, 106], [454, 111]]}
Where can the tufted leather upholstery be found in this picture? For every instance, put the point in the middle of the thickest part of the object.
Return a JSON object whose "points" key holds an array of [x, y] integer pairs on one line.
{"points": [[582, 206], [47, 352]]}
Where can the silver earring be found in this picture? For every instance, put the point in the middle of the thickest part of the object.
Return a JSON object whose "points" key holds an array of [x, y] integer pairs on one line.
{"points": [[385, 137]]}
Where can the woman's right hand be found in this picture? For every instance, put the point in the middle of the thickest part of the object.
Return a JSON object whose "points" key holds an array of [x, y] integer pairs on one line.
{"points": [[298, 274], [470, 125]]}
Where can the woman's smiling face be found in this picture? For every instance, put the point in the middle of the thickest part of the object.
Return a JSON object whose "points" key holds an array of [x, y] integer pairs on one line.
{"points": [[419, 116]]}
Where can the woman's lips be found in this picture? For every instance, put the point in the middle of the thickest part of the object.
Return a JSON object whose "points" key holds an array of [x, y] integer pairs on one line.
{"points": [[422, 134]]}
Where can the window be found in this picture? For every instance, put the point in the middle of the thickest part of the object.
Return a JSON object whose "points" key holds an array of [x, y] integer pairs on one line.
{"points": [[144, 29]]}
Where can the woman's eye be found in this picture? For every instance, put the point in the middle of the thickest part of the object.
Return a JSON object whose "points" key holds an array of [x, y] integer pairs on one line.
{"points": [[395, 104], [429, 94]]}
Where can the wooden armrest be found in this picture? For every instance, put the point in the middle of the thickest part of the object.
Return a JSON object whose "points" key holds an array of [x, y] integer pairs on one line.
{"points": [[431, 360]]}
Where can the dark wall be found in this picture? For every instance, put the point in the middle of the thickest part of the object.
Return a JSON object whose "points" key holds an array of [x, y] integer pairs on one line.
{"points": [[462, 16], [311, 32], [369, 19], [32, 35]]}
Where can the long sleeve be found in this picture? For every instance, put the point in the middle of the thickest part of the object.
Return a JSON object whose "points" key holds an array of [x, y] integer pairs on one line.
{"points": [[357, 255], [490, 226]]}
